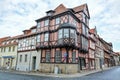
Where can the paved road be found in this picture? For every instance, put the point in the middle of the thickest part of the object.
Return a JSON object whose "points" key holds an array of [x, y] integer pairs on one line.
{"points": [[112, 74]]}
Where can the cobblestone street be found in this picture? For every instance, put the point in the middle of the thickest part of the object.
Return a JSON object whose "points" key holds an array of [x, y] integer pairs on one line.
{"points": [[111, 74]]}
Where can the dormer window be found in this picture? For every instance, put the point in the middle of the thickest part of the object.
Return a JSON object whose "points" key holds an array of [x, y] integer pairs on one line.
{"points": [[50, 12], [33, 30]]}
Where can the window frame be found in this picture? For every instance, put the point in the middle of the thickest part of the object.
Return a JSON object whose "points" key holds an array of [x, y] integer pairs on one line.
{"points": [[74, 57], [46, 22], [46, 36], [57, 20], [26, 57], [66, 33], [58, 56], [38, 38], [20, 60], [47, 56], [38, 24], [62, 33]]}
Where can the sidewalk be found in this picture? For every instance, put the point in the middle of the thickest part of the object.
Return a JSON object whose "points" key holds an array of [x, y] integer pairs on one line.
{"points": [[57, 75]]}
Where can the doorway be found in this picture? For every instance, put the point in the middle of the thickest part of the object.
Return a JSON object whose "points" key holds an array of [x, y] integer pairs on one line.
{"points": [[80, 63], [34, 63]]}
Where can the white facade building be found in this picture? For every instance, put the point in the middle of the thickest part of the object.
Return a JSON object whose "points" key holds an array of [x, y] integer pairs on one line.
{"points": [[28, 58]]}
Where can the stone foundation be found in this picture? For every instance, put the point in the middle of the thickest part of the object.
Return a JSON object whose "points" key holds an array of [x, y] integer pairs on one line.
{"points": [[63, 68]]}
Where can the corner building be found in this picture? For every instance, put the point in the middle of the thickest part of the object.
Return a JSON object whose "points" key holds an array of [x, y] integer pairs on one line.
{"points": [[62, 39]]}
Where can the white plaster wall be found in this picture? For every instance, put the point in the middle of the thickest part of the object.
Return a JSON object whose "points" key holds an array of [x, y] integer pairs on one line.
{"points": [[24, 66]]}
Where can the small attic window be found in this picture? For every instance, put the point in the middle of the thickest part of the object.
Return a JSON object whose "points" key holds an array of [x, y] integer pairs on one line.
{"points": [[50, 12]]}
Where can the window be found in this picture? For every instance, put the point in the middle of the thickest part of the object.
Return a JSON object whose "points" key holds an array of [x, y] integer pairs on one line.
{"points": [[74, 57], [38, 38], [58, 56], [60, 33], [33, 30], [57, 20], [83, 29], [66, 33], [38, 25], [33, 41], [84, 43], [46, 22], [13, 48], [47, 56], [72, 33], [83, 62], [46, 37], [27, 44], [20, 58], [83, 16], [74, 22], [26, 58], [9, 49], [4, 49], [1, 49]]}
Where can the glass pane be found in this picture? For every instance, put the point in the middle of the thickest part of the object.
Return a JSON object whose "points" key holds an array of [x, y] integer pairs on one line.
{"points": [[58, 56], [47, 56], [83, 29], [46, 22], [60, 33], [38, 24], [66, 33], [46, 37], [72, 33], [57, 20], [38, 38]]}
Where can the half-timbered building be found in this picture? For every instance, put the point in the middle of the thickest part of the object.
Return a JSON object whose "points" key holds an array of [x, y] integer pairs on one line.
{"points": [[92, 44], [28, 59], [62, 38]]}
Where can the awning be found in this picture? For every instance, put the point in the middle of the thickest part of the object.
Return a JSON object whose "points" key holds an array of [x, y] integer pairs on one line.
{"points": [[7, 56]]}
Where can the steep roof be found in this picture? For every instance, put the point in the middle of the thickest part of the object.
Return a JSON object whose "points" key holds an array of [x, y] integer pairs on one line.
{"points": [[61, 8], [81, 8], [4, 38]]}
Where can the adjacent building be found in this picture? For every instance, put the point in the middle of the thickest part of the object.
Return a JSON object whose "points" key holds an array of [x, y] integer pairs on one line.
{"points": [[92, 47], [8, 53], [28, 58], [108, 50]]}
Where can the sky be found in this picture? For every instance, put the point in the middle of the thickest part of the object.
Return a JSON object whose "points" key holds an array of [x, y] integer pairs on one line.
{"points": [[18, 15]]}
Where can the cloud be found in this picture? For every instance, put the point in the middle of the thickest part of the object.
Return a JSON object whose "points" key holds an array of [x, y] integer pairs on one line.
{"points": [[17, 15]]}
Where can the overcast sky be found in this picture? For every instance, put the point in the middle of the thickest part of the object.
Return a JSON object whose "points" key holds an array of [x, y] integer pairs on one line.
{"points": [[18, 15]]}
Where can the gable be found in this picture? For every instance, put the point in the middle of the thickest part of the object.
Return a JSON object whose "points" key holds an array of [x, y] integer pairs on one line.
{"points": [[83, 8], [86, 11], [61, 8]]}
